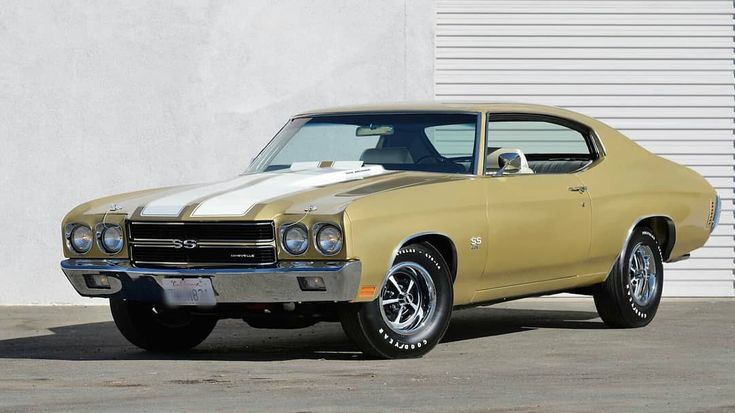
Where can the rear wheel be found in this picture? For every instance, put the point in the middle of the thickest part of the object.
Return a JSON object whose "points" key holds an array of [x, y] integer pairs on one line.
{"points": [[160, 329], [412, 311], [631, 294]]}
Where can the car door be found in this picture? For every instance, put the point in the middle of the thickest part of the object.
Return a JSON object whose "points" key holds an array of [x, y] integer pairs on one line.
{"points": [[539, 217]]}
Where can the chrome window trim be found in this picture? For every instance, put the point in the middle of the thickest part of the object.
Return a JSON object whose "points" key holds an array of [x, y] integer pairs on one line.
{"points": [[594, 143]]}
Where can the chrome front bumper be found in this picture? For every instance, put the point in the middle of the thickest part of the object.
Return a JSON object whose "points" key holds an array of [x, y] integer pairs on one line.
{"points": [[231, 285]]}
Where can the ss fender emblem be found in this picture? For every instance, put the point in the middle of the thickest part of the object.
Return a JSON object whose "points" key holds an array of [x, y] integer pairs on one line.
{"points": [[187, 243], [475, 243]]}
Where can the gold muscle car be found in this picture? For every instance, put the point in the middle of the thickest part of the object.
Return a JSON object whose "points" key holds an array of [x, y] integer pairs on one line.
{"points": [[387, 218]]}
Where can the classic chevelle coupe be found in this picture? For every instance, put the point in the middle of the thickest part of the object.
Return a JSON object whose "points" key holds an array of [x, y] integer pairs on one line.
{"points": [[387, 218]]}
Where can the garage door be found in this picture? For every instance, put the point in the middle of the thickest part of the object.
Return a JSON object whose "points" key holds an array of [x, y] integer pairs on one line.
{"points": [[659, 70]]}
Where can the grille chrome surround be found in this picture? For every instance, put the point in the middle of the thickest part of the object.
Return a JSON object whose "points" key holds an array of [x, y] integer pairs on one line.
{"points": [[202, 244]]}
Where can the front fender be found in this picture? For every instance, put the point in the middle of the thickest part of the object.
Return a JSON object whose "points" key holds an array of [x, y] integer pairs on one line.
{"points": [[378, 226]]}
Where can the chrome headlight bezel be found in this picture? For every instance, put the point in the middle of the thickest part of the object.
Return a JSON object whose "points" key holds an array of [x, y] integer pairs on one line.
{"points": [[71, 234], [102, 230], [286, 229], [319, 230]]}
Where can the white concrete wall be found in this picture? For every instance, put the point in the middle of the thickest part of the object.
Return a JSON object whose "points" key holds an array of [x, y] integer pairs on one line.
{"points": [[105, 97]]}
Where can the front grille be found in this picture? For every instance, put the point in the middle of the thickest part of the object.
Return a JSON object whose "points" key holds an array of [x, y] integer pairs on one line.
{"points": [[258, 231], [194, 244], [202, 255]]}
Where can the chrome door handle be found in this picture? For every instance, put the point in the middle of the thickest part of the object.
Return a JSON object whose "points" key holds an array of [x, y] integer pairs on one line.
{"points": [[580, 189]]}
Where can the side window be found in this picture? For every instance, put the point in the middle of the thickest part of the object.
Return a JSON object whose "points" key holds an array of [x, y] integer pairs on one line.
{"points": [[536, 137], [548, 147]]}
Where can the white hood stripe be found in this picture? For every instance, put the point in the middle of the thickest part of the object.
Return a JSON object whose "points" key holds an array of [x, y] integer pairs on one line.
{"points": [[172, 205], [240, 201]]}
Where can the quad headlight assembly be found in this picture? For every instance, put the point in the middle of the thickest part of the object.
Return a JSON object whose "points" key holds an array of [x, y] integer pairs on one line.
{"points": [[327, 238], [80, 238]]}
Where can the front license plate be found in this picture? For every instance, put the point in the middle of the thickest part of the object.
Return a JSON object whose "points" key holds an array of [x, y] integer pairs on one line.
{"points": [[188, 291]]}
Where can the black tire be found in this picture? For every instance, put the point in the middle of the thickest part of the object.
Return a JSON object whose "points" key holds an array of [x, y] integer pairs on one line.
{"points": [[365, 325], [166, 330], [616, 299]]}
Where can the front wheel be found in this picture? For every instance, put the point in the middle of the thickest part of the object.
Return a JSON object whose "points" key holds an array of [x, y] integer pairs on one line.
{"points": [[160, 329], [412, 311], [631, 294]]}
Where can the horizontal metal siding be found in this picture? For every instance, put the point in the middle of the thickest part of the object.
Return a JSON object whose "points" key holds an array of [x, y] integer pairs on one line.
{"points": [[661, 71]]}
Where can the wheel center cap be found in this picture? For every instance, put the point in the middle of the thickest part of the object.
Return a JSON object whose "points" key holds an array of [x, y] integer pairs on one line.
{"points": [[405, 299]]}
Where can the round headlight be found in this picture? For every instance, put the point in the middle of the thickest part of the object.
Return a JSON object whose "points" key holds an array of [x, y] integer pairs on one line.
{"points": [[329, 240], [295, 239], [81, 239], [112, 239]]}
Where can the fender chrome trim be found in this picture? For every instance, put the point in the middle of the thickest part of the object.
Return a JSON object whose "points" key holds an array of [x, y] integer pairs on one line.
{"points": [[621, 255], [410, 237]]}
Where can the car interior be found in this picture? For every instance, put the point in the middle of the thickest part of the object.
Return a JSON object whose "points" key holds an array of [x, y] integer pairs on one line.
{"points": [[551, 145], [557, 165], [446, 144], [409, 148]]}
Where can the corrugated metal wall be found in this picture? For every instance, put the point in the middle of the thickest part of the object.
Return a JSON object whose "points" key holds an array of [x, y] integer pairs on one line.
{"points": [[661, 71]]}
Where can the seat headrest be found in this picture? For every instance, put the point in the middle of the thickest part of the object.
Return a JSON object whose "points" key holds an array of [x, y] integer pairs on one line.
{"points": [[386, 156], [492, 163]]}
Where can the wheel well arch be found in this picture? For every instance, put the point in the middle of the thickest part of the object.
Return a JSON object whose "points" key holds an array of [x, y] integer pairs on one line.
{"points": [[663, 228], [441, 243]]}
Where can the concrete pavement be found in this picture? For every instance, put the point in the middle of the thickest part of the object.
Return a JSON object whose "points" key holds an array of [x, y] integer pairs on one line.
{"points": [[528, 356]]}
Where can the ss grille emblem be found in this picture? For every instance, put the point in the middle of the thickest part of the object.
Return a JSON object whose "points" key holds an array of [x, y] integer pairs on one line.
{"points": [[187, 243]]}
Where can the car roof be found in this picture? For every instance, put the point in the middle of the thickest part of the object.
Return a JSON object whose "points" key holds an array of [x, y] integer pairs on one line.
{"points": [[453, 107]]}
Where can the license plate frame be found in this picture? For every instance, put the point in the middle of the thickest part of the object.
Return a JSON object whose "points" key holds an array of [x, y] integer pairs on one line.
{"points": [[188, 291]]}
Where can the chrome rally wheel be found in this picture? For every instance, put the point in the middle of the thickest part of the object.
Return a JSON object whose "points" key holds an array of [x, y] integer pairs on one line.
{"points": [[631, 294], [408, 298], [412, 310], [642, 280]]}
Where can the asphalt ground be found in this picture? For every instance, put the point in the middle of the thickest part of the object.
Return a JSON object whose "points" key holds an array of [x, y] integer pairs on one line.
{"points": [[532, 355]]}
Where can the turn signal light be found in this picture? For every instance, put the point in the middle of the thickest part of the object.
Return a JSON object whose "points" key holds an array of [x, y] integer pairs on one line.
{"points": [[366, 291]]}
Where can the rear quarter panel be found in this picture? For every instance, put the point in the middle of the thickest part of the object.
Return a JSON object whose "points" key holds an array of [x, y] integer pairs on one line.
{"points": [[631, 183]]}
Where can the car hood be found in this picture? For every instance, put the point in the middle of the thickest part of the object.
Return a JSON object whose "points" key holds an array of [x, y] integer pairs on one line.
{"points": [[263, 196]]}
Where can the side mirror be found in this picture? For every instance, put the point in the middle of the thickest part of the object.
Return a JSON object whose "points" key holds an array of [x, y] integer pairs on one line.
{"points": [[510, 162]]}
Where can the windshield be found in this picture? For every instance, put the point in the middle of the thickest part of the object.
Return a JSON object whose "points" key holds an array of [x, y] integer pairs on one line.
{"points": [[433, 142]]}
